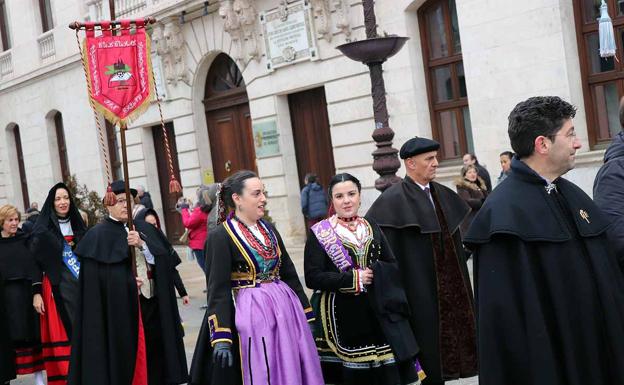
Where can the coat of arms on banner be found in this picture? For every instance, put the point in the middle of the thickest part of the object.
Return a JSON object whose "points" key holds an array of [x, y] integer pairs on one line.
{"points": [[119, 71]]}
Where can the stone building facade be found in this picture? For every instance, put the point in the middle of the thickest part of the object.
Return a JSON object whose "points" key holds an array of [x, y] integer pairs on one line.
{"points": [[231, 100]]}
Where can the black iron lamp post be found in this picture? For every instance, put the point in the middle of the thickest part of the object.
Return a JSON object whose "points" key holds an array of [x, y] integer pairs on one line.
{"points": [[373, 52]]}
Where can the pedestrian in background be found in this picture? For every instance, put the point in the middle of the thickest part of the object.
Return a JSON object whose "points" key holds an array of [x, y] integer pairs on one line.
{"points": [[313, 200], [144, 197], [505, 162], [470, 158], [471, 188], [609, 188], [195, 222]]}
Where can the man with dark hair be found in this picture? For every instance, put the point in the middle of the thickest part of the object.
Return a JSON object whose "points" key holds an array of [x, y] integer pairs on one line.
{"points": [[609, 188], [549, 290]]}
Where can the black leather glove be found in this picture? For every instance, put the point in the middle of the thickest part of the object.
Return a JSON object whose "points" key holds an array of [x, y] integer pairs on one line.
{"points": [[222, 354]]}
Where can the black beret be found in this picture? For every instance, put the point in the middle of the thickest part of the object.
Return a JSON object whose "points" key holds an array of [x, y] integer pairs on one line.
{"points": [[417, 146], [119, 187]]}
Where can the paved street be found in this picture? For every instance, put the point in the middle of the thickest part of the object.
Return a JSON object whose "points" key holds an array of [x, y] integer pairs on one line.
{"points": [[193, 315]]}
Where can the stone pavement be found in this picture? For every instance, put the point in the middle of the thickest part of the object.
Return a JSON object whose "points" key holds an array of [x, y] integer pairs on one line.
{"points": [[192, 315]]}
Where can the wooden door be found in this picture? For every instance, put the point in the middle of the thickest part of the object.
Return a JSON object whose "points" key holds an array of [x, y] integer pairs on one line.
{"points": [[310, 125], [231, 141], [228, 119], [172, 220]]}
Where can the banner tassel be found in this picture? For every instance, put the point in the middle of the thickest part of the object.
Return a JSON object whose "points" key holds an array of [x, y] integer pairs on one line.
{"points": [[110, 199], [174, 185]]}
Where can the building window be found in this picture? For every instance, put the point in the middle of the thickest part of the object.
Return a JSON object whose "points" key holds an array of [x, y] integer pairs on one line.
{"points": [[45, 10], [5, 37], [446, 84], [603, 83], [20, 165], [62, 147]]}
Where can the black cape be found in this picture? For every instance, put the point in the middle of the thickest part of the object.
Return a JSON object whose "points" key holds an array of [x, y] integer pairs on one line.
{"points": [[22, 279], [104, 344], [177, 280], [367, 322], [549, 291], [47, 246], [170, 327], [7, 354], [410, 223]]}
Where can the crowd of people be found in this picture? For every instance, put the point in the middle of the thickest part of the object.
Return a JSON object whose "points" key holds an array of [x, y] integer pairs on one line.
{"points": [[392, 300]]}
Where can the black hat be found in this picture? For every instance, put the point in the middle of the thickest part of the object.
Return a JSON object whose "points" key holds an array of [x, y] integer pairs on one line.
{"points": [[119, 187], [417, 146]]}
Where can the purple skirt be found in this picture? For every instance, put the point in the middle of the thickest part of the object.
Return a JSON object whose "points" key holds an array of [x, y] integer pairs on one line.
{"points": [[276, 343]]}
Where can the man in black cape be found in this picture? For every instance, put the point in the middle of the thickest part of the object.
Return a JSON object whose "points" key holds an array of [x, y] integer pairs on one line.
{"points": [[421, 220], [107, 347], [549, 290]]}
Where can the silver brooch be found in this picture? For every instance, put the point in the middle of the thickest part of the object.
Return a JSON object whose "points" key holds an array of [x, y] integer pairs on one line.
{"points": [[550, 188]]}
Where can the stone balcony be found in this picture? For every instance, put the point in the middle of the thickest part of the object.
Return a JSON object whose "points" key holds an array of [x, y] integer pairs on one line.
{"points": [[47, 52], [125, 9], [6, 64]]}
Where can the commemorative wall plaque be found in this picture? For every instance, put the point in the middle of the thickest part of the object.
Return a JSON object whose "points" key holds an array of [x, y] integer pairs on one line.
{"points": [[288, 34]]}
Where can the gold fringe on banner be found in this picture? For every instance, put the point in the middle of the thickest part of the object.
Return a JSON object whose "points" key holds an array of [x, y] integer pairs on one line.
{"points": [[108, 114]]}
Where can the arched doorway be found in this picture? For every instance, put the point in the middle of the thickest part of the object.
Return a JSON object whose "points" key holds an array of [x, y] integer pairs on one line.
{"points": [[228, 119]]}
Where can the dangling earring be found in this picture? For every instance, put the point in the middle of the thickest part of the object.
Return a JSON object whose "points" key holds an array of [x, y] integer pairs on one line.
{"points": [[240, 208]]}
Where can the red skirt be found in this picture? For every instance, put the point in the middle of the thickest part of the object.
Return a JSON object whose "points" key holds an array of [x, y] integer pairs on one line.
{"points": [[56, 346], [28, 360]]}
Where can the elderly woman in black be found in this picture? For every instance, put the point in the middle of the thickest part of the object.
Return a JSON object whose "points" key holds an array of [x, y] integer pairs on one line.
{"points": [[21, 281], [58, 230], [363, 335]]}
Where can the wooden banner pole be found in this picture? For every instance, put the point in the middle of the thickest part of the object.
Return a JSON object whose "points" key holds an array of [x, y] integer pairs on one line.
{"points": [[129, 198], [113, 23]]}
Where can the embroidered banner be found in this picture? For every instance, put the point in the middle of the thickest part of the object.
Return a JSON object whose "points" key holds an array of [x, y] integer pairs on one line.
{"points": [[332, 245], [119, 70]]}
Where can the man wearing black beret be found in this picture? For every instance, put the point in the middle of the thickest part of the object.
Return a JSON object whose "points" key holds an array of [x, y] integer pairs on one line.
{"points": [[421, 220]]}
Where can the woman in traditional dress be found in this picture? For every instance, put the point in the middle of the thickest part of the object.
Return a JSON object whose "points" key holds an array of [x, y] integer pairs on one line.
{"points": [[363, 333], [58, 230], [257, 308], [22, 291]]}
